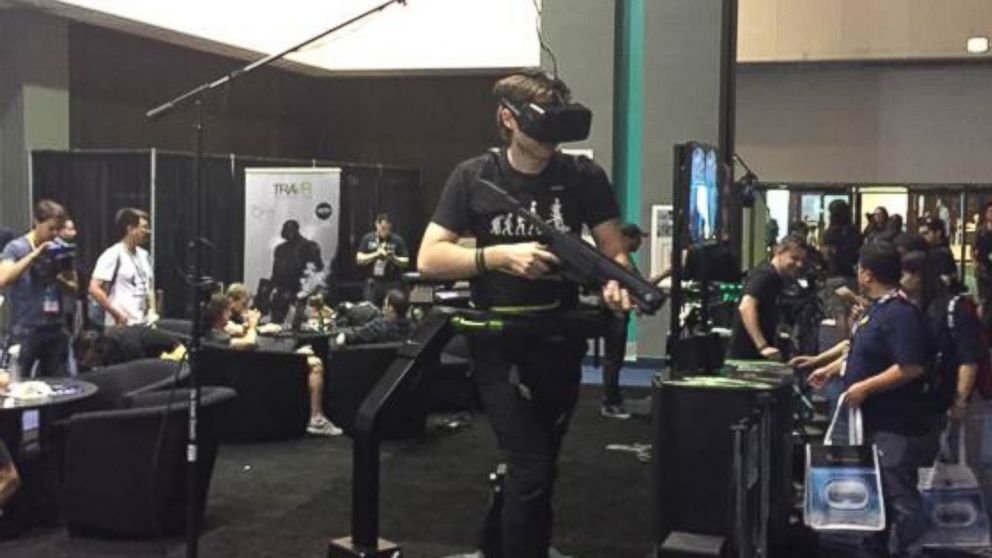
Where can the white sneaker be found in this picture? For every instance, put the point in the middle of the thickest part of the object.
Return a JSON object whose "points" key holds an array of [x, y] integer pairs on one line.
{"points": [[320, 426]]}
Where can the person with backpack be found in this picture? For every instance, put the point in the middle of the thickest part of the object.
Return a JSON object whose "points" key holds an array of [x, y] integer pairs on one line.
{"points": [[954, 327]]}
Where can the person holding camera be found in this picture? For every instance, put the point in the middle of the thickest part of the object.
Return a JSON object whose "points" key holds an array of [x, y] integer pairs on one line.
{"points": [[123, 281], [29, 271]]}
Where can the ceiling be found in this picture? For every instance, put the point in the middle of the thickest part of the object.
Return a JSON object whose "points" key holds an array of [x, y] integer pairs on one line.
{"points": [[412, 36]]}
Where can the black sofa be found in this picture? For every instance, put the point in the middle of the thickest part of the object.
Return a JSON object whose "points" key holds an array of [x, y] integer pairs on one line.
{"points": [[273, 401], [115, 486]]}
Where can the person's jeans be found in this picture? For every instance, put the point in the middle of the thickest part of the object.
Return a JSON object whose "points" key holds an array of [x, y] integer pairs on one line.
{"points": [[614, 351], [529, 389]]}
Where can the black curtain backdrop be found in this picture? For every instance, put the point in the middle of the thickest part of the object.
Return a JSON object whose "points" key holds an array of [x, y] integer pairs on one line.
{"points": [[95, 184]]}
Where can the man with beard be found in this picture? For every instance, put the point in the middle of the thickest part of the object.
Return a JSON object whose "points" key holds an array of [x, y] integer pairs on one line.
{"points": [[289, 260]]}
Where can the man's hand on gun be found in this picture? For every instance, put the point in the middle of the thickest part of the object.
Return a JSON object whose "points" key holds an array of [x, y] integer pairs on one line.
{"points": [[525, 259]]}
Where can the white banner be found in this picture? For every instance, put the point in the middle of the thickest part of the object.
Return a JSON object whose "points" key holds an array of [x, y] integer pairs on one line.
{"points": [[275, 198]]}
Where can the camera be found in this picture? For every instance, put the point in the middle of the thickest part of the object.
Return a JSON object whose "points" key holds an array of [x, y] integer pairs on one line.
{"points": [[56, 259]]}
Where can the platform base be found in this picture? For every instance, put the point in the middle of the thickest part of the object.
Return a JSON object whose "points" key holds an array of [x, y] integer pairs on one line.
{"points": [[343, 548]]}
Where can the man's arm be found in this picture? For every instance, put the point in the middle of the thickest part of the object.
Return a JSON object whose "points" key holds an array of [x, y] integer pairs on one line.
{"points": [[893, 377], [103, 299], [442, 258], [10, 269], [749, 318], [609, 240], [152, 302]]}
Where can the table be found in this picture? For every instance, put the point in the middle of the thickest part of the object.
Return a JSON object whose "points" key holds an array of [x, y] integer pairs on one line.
{"points": [[36, 502], [67, 390]]}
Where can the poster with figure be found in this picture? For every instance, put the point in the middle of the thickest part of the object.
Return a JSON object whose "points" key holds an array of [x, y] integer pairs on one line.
{"points": [[662, 226], [291, 230]]}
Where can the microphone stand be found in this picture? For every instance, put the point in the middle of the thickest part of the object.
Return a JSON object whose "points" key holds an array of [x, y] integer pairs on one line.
{"points": [[202, 285]]}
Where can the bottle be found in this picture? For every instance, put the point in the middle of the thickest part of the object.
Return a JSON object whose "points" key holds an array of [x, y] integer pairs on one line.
{"points": [[14, 363]]}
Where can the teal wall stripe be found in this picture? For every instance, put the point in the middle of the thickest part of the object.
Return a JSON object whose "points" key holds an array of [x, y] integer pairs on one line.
{"points": [[628, 113]]}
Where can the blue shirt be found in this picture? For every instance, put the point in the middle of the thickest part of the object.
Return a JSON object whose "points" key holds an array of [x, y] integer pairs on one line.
{"points": [[892, 331], [27, 294]]}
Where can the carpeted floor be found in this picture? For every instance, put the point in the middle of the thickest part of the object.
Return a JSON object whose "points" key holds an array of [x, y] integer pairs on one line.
{"points": [[288, 498]]}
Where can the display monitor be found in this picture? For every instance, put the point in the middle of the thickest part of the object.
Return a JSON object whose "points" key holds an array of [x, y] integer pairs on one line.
{"points": [[704, 192]]}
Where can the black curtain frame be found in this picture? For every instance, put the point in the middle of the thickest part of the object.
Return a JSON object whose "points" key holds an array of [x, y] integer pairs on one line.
{"points": [[95, 184]]}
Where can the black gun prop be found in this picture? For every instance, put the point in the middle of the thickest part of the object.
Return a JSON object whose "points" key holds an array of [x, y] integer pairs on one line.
{"points": [[581, 262]]}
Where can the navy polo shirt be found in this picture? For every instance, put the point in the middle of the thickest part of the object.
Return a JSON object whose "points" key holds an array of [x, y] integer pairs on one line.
{"points": [[892, 331]]}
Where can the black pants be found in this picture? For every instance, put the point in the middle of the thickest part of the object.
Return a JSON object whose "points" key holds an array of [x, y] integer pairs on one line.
{"points": [[529, 388], [48, 346], [614, 351]]}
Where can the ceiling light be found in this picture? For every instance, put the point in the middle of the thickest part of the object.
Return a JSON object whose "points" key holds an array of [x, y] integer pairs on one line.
{"points": [[978, 45]]}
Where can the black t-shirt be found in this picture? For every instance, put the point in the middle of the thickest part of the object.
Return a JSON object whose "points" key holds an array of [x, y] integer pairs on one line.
{"points": [[383, 269], [765, 285], [127, 343], [570, 192], [941, 257], [217, 337], [4, 455], [983, 248], [844, 243]]}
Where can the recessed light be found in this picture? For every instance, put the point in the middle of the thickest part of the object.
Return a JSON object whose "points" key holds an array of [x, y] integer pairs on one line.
{"points": [[977, 45]]}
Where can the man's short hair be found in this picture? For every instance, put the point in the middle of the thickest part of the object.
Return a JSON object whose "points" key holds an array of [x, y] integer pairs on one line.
{"points": [[237, 292], [882, 260], [906, 242], [914, 262], [48, 209], [380, 217], [129, 217], [791, 242], [398, 301], [528, 86], [216, 306]]}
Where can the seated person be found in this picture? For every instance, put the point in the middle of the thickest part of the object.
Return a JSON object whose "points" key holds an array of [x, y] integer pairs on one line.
{"points": [[392, 325], [122, 344], [10, 481], [218, 315], [241, 300]]}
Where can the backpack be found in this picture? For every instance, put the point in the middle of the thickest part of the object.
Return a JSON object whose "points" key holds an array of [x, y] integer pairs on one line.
{"points": [[947, 376], [95, 313]]}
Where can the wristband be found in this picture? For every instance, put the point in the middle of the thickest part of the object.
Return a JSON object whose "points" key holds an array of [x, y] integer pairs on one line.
{"points": [[480, 261], [763, 347]]}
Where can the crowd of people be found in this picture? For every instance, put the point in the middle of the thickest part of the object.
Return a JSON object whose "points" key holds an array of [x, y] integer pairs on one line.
{"points": [[58, 326], [914, 344]]}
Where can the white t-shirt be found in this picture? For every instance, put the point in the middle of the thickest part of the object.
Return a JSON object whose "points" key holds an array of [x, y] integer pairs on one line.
{"points": [[133, 282]]}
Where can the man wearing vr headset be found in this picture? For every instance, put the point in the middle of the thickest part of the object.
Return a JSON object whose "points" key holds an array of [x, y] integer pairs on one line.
{"points": [[529, 384]]}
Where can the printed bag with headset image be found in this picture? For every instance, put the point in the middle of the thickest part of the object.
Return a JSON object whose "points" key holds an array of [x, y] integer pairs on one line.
{"points": [[843, 483]]}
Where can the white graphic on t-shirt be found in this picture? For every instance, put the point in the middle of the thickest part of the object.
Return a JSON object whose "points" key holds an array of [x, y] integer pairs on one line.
{"points": [[557, 219], [508, 224], [497, 225], [521, 226]]}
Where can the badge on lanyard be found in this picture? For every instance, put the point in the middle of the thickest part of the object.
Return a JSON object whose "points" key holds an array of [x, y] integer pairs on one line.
{"points": [[50, 302]]}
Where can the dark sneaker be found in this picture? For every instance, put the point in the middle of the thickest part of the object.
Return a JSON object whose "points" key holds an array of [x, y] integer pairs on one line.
{"points": [[614, 412]]}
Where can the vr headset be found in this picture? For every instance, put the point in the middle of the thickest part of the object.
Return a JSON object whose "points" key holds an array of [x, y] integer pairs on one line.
{"points": [[558, 123]]}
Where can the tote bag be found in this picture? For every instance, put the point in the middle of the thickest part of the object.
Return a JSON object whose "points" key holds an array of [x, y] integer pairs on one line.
{"points": [[843, 483]]}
